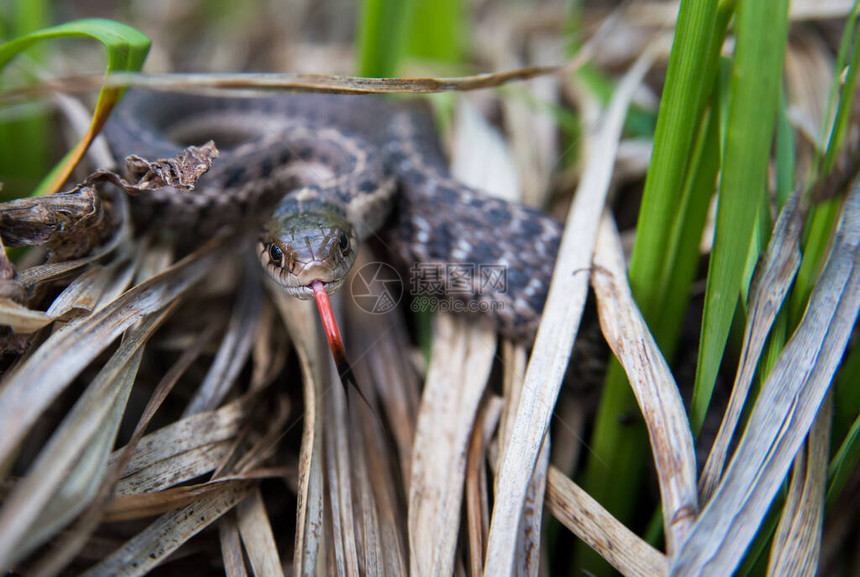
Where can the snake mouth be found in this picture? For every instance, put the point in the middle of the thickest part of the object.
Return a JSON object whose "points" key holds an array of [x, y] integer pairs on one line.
{"points": [[298, 279], [306, 292]]}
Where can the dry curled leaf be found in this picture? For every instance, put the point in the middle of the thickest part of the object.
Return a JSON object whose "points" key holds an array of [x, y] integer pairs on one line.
{"points": [[69, 224], [181, 172], [72, 224]]}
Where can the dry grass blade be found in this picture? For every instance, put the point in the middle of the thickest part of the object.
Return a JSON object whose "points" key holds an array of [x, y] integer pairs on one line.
{"points": [[50, 271], [662, 13], [76, 537], [652, 383], [150, 504], [558, 329], [67, 473], [283, 81], [527, 561], [152, 545], [257, 536], [235, 346], [38, 381], [797, 542], [770, 285], [95, 287], [515, 358], [585, 518], [269, 354], [462, 359], [231, 547], [808, 74], [353, 531], [183, 450], [84, 294], [21, 319], [383, 362], [482, 158], [371, 536], [186, 435], [784, 411], [533, 133], [300, 318], [477, 497], [479, 155], [339, 481]]}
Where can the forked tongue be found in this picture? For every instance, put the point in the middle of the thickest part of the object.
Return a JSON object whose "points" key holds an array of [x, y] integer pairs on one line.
{"points": [[335, 342]]}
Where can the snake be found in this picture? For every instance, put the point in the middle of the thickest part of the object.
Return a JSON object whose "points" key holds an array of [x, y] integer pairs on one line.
{"points": [[316, 175]]}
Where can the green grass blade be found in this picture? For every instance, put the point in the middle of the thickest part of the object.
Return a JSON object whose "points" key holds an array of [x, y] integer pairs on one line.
{"points": [[844, 463], [126, 51], [620, 451], [391, 29], [24, 142], [848, 47], [847, 393], [785, 154], [824, 216], [762, 31], [846, 425], [682, 253], [690, 78], [382, 35], [816, 241], [438, 30]]}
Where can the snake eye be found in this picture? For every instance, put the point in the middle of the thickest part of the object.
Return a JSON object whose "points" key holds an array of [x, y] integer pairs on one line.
{"points": [[275, 253], [343, 242]]}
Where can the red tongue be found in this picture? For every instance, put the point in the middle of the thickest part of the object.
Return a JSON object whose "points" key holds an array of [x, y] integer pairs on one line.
{"points": [[335, 342]]}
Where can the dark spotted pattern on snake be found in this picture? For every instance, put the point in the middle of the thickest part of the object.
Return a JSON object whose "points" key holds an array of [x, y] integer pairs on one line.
{"points": [[317, 174]]}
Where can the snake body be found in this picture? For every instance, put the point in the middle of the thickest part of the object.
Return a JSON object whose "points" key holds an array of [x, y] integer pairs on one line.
{"points": [[317, 174]]}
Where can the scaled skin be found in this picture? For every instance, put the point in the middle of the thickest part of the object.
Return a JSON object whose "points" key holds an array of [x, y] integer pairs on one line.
{"points": [[312, 241]]}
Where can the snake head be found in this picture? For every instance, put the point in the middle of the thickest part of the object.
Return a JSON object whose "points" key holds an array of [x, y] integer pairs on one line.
{"points": [[305, 242]]}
